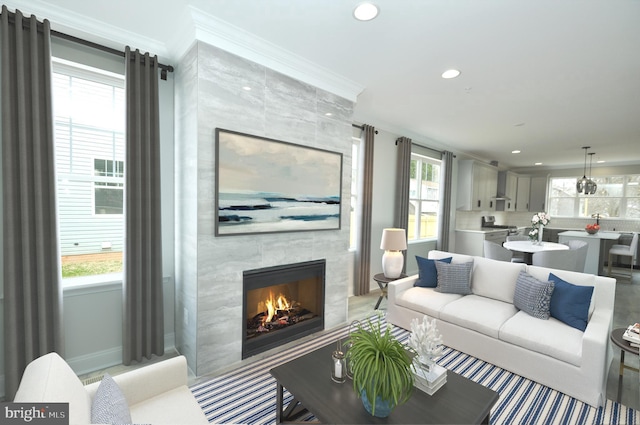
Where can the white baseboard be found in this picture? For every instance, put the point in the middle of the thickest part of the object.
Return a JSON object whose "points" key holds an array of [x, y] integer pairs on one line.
{"points": [[104, 359]]}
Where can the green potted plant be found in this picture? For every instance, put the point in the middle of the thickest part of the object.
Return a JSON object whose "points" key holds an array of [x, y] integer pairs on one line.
{"points": [[380, 366]]}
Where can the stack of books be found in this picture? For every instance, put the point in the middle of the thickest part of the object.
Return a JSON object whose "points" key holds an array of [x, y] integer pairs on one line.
{"points": [[432, 381], [632, 334]]}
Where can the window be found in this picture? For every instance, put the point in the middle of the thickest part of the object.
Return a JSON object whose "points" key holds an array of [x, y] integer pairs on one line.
{"points": [[108, 194], [353, 216], [89, 137], [616, 196], [424, 197]]}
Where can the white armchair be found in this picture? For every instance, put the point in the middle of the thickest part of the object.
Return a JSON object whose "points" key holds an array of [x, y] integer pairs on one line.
{"points": [[156, 394]]}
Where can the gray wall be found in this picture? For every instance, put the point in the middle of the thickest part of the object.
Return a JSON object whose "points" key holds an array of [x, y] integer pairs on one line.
{"points": [[209, 278]]}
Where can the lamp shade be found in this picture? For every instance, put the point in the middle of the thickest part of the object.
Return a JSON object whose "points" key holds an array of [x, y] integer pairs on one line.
{"points": [[393, 240]]}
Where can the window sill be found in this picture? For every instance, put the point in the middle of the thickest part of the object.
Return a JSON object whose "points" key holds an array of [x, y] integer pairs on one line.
{"points": [[92, 284], [419, 241]]}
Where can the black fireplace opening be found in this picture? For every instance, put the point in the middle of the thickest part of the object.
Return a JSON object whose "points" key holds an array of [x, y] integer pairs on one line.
{"points": [[281, 304]]}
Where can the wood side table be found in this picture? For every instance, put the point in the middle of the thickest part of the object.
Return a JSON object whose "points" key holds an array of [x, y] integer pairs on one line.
{"points": [[383, 282], [623, 344]]}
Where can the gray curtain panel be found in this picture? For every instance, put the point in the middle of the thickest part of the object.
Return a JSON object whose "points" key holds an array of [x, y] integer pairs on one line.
{"points": [[403, 174], [143, 322], [363, 247], [445, 202], [32, 278]]}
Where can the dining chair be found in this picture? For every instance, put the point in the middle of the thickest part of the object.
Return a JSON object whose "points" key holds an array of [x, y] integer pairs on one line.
{"points": [[561, 260], [581, 247], [626, 251], [496, 251], [518, 257]]}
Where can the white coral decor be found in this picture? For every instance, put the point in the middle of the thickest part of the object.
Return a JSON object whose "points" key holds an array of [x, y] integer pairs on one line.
{"points": [[425, 339]]}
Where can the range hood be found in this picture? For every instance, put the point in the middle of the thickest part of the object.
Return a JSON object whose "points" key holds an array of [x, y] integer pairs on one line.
{"points": [[501, 187]]}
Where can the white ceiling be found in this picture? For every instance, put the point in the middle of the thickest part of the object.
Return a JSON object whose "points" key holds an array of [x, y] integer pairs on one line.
{"points": [[545, 77]]}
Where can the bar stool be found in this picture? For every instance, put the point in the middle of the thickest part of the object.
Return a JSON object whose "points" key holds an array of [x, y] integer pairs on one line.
{"points": [[626, 251]]}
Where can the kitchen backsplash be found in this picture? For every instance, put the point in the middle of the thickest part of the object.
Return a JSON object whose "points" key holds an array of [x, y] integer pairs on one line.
{"points": [[472, 220]]}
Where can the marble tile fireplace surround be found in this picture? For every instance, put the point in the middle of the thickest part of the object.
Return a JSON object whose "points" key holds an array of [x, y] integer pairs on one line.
{"points": [[281, 304], [209, 269]]}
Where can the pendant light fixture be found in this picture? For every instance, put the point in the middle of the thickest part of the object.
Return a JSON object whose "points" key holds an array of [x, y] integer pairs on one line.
{"points": [[580, 185], [591, 186]]}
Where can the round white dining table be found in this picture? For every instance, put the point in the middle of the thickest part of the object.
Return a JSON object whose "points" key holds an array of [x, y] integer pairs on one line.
{"points": [[529, 248]]}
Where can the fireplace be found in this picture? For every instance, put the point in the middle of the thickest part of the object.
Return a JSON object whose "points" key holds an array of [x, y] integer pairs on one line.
{"points": [[281, 304]]}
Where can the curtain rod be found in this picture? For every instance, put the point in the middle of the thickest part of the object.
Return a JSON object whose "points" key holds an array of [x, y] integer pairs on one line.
{"points": [[361, 127], [163, 68]]}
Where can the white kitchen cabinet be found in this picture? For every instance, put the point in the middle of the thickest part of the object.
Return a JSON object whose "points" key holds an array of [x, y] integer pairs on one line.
{"points": [[522, 193], [472, 242], [477, 186]]}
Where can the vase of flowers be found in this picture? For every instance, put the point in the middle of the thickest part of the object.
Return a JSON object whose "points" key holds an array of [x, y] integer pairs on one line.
{"points": [[538, 222]]}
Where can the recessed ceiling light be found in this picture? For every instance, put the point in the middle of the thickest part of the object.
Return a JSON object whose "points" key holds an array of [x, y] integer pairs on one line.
{"points": [[328, 114], [538, 163], [515, 151], [247, 88], [365, 11], [450, 73], [601, 161]]}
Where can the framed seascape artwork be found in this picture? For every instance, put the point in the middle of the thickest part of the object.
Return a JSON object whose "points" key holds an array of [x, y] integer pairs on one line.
{"points": [[267, 186]]}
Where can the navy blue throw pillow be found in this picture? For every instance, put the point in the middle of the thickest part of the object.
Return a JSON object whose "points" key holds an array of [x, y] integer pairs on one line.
{"points": [[427, 273], [570, 303]]}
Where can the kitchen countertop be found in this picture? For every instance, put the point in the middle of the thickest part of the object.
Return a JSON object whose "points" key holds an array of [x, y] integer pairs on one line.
{"points": [[583, 234], [486, 230]]}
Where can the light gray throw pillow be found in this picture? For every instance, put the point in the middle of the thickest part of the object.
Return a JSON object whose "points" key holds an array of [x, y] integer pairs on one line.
{"points": [[533, 296], [454, 278], [109, 404]]}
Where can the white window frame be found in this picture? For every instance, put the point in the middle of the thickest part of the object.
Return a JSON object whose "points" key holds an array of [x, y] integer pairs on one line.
{"points": [[415, 238], [73, 69], [99, 181], [578, 196], [356, 151]]}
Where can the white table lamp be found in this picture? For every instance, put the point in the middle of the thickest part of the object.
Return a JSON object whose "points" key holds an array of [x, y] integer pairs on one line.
{"points": [[394, 241]]}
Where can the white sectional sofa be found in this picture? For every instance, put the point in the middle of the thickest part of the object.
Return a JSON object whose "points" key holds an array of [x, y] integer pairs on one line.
{"points": [[155, 394], [487, 325]]}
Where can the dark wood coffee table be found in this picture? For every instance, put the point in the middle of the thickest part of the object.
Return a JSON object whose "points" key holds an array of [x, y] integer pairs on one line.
{"points": [[308, 379]]}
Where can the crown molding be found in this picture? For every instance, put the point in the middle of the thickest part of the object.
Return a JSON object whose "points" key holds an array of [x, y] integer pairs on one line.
{"points": [[216, 32], [89, 28], [191, 25]]}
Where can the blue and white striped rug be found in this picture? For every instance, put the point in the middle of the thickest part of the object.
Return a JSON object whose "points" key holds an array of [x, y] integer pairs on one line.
{"points": [[247, 395]]}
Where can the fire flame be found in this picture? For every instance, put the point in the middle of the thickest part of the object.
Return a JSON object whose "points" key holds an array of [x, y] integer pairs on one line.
{"points": [[274, 304]]}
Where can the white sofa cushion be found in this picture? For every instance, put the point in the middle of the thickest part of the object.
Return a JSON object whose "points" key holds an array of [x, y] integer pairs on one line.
{"points": [[455, 258], [425, 300], [172, 407], [50, 379], [484, 315], [495, 279], [550, 337]]}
